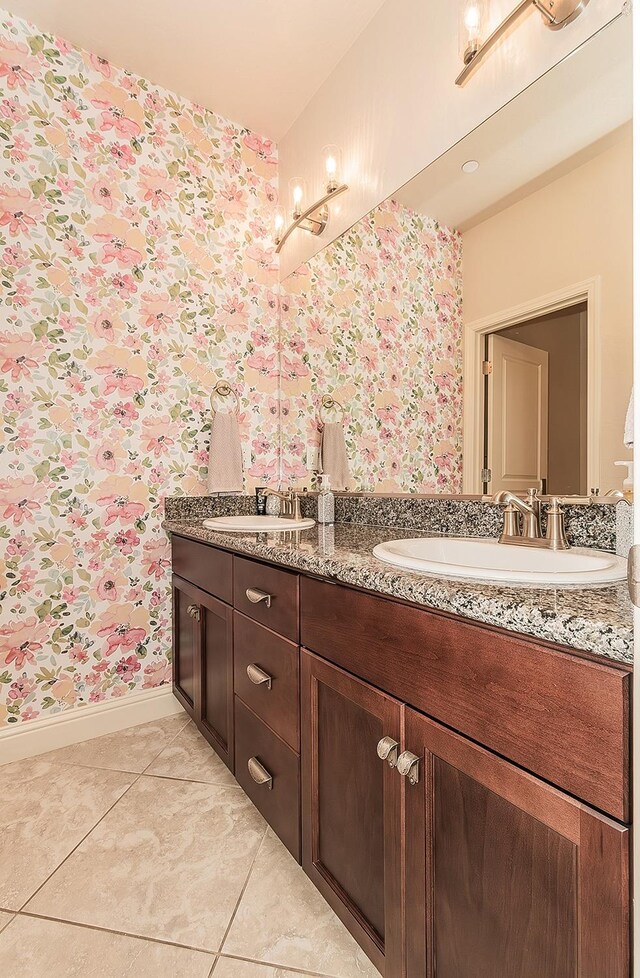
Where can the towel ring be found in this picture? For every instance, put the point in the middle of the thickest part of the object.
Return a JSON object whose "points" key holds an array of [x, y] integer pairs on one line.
{"points": [[328, 403], [223, 389]]}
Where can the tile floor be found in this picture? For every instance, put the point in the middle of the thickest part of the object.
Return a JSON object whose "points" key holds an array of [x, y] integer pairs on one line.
{"points": [[137, 854]]}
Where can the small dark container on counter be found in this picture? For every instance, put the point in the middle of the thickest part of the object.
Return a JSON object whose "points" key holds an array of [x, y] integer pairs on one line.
{"points": [[261, 501]]}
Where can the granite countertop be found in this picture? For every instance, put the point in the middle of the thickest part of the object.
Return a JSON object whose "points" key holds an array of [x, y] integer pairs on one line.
{"points": [[597, 620]]}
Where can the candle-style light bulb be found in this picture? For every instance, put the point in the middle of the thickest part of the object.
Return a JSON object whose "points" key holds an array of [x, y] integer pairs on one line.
{"points": [[474, 19], [278, 224], [331, 156], [297, 195]]}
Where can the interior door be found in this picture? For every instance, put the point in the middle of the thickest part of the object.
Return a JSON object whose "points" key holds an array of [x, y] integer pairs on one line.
{"points": [[517, 415], [351, 806], [513, 878]]}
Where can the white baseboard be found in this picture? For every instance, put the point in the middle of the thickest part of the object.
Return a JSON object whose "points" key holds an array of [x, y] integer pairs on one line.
{"points": [[84, 722]]}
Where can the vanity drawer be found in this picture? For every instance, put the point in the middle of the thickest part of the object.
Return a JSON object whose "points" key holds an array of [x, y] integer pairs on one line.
{"points": [[279, 609], [563, 717], [275, 701], [207, 567], [260, 751]]}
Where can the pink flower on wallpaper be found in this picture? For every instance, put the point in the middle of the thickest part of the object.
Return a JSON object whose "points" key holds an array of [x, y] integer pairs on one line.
{"points": [[125, 413], [263, 148], [127, 668], [118, 379], [157, 558], [124, 285], [157, 440], [108, 584], [122, 155], [126, 541], [156, 674], [158, 311], [18, 354], [19, 211], [16, 64], [20, 641], [114, 118], [99, 64], [20, 499], [121, 508], [156, 186]]}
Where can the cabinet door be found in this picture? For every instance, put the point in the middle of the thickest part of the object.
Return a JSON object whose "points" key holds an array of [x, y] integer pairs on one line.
{"points": [[513, 878], [351, 807], [216, 701], [186, 675]]}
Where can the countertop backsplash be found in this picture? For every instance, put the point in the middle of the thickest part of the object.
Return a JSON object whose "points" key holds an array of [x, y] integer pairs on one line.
{"points": [[587, 526]]}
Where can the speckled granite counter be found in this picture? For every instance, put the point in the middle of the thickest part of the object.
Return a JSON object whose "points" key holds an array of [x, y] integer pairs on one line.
{"points": [[597, 620]]}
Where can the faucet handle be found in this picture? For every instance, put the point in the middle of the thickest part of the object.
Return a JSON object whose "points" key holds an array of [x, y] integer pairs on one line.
{"points": [[555, 534]]}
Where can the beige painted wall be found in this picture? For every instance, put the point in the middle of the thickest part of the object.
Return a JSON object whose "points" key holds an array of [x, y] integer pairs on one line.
{"points": [[393, 107], [576, 228]]}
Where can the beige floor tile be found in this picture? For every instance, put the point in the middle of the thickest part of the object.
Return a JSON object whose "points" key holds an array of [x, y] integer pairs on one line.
{"points": [[233, 968], [34, 948], [4, 919], [45, 811], [131, 750], [168, 862], [283, 920], [190, 757]]}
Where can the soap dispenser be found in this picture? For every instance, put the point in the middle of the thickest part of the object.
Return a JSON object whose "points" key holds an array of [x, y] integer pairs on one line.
{"points": [[326, 502], [627, 485]]}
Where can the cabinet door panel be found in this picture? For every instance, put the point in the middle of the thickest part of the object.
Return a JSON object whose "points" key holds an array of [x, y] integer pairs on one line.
{"points": [[216, 712], [512, 877], [351, 806], [185, 646]]}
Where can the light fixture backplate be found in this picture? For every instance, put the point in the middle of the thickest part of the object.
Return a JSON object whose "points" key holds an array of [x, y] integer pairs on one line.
{"points": [[563, 11]]}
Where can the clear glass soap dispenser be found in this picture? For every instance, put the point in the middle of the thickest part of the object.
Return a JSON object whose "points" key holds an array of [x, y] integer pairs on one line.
{"points": [[326, 501]]}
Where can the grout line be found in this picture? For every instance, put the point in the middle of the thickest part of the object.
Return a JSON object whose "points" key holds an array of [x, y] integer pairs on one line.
{"points": [[213, 967], [121, 933], [175, 777], [168, 744], [242, 892], [69, 854]]}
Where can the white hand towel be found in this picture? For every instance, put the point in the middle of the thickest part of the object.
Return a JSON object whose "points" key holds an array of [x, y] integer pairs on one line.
{"points": [[628, 425], [225, 455], [333, 456]]}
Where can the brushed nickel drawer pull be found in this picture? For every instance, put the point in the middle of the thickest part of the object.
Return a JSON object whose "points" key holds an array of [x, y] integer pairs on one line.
{"points": [[388, 750], [259, 773], [194, 611], [255, 596], [258, 676]]}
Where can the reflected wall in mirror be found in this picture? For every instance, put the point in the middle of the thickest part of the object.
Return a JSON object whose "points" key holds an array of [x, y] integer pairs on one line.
{"points": [[476, 329]]}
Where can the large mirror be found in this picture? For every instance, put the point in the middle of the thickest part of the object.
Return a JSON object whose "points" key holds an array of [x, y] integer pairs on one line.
{"points": [[474, 332]]}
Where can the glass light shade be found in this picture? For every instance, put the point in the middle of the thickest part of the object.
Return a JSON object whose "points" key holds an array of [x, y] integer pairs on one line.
{"points": [[332, 161], [297, 195], [279, 220], [473, 26]]}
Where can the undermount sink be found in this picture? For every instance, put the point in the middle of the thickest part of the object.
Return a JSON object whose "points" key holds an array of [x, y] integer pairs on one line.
{"points": [[488, 560], [257, 524]]}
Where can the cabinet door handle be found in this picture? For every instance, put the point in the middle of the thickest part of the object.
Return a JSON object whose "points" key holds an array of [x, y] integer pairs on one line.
{"points": [[258, 676], [255, 596], [259, 773], [194, 611], [409, 766], [388, 750]]}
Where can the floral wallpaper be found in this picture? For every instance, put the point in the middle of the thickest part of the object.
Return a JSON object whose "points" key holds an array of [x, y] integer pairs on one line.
{"points": [[376, 320], [137, 269]]}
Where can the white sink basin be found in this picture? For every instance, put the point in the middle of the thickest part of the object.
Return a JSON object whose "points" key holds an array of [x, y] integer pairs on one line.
{"points": [[488, 560], [256, 524]]}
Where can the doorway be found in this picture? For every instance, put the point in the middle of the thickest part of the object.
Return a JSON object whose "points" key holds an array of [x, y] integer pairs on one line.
{"points": [[535, 404]]}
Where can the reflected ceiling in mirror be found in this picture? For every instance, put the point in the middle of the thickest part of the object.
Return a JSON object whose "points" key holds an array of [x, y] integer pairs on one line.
{"points": [[525, 257]]}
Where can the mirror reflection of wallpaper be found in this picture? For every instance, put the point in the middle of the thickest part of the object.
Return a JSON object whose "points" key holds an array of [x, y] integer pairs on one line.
{"points": [[376, 320]]}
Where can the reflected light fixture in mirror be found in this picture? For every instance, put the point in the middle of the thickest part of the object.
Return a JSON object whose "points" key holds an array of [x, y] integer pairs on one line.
{"points": [[311, 217], [296, 195], [474, 19], [332, 158]]}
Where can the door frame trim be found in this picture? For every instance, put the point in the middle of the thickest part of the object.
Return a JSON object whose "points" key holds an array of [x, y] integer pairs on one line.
{"points": [[473, 389]]}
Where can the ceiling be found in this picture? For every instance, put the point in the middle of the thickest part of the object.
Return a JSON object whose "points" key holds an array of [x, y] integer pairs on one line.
{"points": [[255, 62], [559, 122]]}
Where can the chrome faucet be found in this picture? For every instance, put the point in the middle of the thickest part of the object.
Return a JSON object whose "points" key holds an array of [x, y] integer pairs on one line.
{"points": [[530, 535], [289, 503]]}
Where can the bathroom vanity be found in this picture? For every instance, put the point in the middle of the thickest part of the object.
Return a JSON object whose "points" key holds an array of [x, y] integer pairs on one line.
{"points": [[457, 791]]}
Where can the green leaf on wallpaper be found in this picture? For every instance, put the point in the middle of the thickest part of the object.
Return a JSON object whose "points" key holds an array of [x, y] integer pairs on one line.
{"points": [[5, 677], [80, 305], [43, 610], [38, 187], [36, 44], [83, 574]]}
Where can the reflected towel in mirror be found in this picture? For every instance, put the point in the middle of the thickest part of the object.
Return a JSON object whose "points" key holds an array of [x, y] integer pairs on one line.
{"points": [[333, 455], [226, 473]]}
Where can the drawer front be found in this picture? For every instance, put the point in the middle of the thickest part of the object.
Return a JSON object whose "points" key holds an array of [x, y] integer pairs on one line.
{"points": [[278, 589], [207, 567], [258, 749], [562, 717], [266, 677]]}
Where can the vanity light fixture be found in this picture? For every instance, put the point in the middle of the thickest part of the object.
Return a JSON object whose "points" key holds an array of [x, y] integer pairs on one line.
{"points": [[314, 217], [474, 16]]}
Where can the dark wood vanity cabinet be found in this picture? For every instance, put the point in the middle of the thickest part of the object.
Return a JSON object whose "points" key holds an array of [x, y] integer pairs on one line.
{"points": [[506, 875], [351, 804], [457, 793]]}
